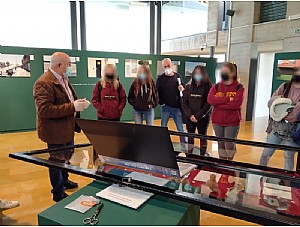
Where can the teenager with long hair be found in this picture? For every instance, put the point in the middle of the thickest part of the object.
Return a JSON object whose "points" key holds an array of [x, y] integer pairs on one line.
{"points": [[143, 96], [281, 132], [227, 98], [109, 97], [195, 106]]}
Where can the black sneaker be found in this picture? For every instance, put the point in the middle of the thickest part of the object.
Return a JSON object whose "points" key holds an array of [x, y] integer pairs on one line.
{"points": [[57, 198], [70, 185]]}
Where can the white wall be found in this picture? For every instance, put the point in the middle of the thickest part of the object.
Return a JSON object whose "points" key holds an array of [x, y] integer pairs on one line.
{"points": [[264, 84]]}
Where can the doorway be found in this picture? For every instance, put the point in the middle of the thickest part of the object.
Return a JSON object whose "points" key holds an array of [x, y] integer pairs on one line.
{"points": [[264, 84]]}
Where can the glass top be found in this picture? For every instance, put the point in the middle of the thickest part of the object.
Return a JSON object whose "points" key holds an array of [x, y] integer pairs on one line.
{"points": [[236, 188]]}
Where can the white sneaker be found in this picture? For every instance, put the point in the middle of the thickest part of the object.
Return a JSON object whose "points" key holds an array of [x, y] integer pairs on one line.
{"points": [[5, 204]]}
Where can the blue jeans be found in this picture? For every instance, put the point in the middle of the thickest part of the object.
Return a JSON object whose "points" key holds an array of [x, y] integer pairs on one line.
{"points": [[58, 177], [175, 113], [139, 116], [288, 155]]}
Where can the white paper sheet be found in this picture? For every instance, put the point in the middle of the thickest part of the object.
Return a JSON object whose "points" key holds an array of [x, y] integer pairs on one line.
{"points": [[253, 184], [124, 195], [205, 175], [278, 193], [148, 178], [278, 187]]}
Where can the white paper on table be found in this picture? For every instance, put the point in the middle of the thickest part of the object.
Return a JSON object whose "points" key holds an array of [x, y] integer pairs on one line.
{"points": [[124, 195], [148, 178], [277, 193], [204, 176], [278, 187]]}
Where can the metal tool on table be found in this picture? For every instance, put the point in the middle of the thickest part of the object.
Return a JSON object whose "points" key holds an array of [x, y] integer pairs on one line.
{"points": [[93, 220]]}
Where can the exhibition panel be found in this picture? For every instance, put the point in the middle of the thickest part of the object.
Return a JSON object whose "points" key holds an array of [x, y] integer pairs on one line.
{"points": [[18, 76], [250, 192]]}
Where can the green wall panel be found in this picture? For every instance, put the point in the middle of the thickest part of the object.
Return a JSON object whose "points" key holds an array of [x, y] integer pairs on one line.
{"points": [[17, 111]]}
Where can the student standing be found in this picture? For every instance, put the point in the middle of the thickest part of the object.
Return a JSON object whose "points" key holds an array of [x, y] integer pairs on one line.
{"points": [[227, 98], [143, 96], [169, 98], [196, 108], [282, 131], [109, 97]]}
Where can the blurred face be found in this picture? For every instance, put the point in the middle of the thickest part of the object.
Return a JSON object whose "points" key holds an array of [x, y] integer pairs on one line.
{"points": [[109, 73], [197, 75], [142, 74], [142, 71], [226, 74], [109, 70], [65, 65], [167, 64], [197, 71], [296, 76]]}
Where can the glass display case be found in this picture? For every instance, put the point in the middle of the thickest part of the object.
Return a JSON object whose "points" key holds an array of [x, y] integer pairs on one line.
{"points": [[264, 195]]}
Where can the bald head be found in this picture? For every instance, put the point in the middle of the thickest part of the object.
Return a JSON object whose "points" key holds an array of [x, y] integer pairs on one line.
{"points": [[166, 61], [167, 65], [60, 62]]}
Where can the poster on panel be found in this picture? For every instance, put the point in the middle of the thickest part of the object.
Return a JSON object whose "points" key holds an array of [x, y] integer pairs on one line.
{"points": [[286, 69], [14, 65], [96, 66], [131, 66], [189, 67]]}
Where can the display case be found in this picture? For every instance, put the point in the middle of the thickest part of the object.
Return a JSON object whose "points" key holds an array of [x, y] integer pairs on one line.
{"points": [[263, 195]]}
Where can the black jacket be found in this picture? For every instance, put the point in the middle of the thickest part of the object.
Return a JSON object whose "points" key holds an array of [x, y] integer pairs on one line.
{"points": [[195, 100], [142, 101], [168, 92]]}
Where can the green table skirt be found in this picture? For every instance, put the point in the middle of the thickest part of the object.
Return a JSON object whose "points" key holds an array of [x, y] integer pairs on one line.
{"points": [[157, 210]]}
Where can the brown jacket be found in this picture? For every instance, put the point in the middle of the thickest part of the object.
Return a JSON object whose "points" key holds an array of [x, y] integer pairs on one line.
{"points": [[55, 112]]}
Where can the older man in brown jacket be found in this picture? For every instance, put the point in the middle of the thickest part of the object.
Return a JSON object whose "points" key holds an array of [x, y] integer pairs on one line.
{"points": [[57, 105]]}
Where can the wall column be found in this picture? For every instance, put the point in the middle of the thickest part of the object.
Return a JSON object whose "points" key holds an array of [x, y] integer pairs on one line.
{"points": [[152, 27], [158, 27], [82, 25], [74, 25]]}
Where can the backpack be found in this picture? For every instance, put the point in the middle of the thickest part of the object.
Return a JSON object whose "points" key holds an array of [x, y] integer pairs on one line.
{"points": [[238, 87], [118, 90]]}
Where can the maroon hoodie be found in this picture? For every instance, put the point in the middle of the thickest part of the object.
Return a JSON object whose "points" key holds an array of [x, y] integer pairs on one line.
{"points": [[111, 102], [226, 112]]}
